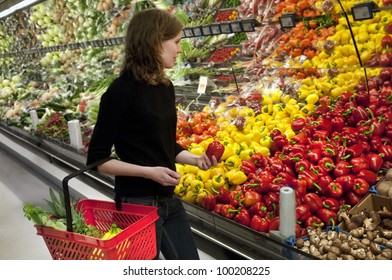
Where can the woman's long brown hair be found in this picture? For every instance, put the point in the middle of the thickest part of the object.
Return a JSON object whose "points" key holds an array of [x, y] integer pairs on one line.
{"points": [[146, 31]]}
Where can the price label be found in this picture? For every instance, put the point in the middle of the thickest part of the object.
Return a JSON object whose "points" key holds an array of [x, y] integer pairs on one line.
{"points": [[287, 22], [206, 30], [215, 29], [362, 12], [225, 28], [188, 32], [203, 81], [236, 27], [248, 27], [197, 31]]}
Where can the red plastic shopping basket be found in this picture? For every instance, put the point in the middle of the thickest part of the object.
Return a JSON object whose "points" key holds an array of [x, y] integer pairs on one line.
{"points": [[136, 241]]}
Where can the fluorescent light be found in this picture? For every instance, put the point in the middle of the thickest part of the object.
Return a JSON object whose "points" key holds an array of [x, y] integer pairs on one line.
{"points": [[21, 5]]}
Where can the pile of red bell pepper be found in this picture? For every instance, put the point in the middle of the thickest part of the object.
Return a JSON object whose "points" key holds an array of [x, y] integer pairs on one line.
{"points": [[337, 154]]}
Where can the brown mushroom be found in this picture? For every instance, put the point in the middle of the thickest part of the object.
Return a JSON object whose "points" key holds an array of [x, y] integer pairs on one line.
{"points": [[387, 224], [383, 187], [375, 248]]}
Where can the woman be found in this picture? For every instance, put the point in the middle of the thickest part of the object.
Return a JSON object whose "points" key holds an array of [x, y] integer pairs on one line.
{"points": [[138, 117]]}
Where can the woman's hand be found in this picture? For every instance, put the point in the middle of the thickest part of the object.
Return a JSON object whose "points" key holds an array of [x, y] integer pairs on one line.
{"points": [[204, 163], [164, 176]]}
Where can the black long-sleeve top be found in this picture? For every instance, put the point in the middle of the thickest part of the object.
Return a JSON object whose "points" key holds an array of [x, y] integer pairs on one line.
{"points": [[140, 121]]}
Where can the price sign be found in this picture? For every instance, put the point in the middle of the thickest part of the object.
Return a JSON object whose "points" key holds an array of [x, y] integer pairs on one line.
{"points": [[362, 12], [206, 30], [236, 26], [203, 81], [225, 28], [188, 32], [248, 26], [215, 29], [197, 31]]}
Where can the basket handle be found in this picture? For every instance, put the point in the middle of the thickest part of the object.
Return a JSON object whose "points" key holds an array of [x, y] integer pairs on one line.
{"points": [[67, 200]]}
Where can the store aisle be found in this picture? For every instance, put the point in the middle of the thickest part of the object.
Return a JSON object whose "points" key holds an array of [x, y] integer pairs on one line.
{"points": [[18, 239]]}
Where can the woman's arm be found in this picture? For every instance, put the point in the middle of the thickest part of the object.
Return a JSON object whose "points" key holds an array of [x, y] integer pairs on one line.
{"points": [[203, 162]]}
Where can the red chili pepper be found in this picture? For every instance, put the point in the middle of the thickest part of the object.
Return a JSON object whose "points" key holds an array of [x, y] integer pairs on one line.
{"points": [[297, 124], [208, 202], [361, 187], [375, 161], [302, 212], [328, 217], [258, 209], [251, 197], [342, 168], [228, 211], [346, 181], [334, 190], [243, 217], [359, 163], [260, 224], [331, 204], [327, 163], [247, 166], [313, 201], [314, 222], [368, 175]]}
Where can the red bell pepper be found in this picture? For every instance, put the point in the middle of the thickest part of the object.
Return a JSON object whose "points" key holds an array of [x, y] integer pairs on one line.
{"points": [[342, 168], [302, 212], [360, 187], [386, 42], [323, 182], [337, 123], [251, 197], [314, 155], [334, 190], [258, 209], [274, 223], [300, 138], [320, 135], [318, 170], [271, 201], [313, 222], [355, 150], [283, 179], [328, 217], [259, 160], [359, 113], [297, 124], [346, 181], [218, 208], [328, 151], [236, 198], [243, 217], [228, 211], [368, 175], [247, 166], [299, 187], [310, 178], [386, 152], [223, 196], [208, 202], [327, 163], [280, 141], [313, 201], [302, 165], [375, 143], [375, 161], [331, 204], [358, 164], [260, 224], [275, 132]]}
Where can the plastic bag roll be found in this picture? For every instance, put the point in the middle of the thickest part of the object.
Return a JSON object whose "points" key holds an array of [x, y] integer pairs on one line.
{"points": [[34, 119], [287, 217], [75, 134]]}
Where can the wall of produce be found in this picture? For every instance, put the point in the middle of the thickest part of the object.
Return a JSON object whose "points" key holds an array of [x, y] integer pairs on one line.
{"points": [[308, 106]]}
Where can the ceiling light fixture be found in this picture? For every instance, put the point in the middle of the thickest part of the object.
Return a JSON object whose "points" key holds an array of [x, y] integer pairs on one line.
{"points": [[17, 7]]}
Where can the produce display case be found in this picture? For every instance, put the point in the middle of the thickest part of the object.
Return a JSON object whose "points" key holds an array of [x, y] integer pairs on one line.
{"points": [[324, 53]]}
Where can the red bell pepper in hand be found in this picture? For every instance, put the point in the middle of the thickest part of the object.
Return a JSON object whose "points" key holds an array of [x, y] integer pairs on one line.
{"points": [[216, 149], [331, 204], [328, 217], [342, 168], [368, 175], [334, 190], [302, 212], [359, 163], [247, 166], [243, 217], [313, 222], [375, 161], [313, 201], [260, 224], [251, 198], [361, 187], [258, 209]]}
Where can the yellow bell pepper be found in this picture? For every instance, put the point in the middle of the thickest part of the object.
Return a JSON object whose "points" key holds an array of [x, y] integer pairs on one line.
{"points": [[236, 177], [218, 170], [246, 154], [218, 182], [179, 190], [203, 175], [180, 168], [232, 162], [266, 141], [191, 169], [195, 186], [190, 197], [188, 179], [196, 149], [207, 185]]}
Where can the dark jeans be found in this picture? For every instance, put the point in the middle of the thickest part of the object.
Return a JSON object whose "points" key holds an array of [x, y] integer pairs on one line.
{"points": [[174, 236]]}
